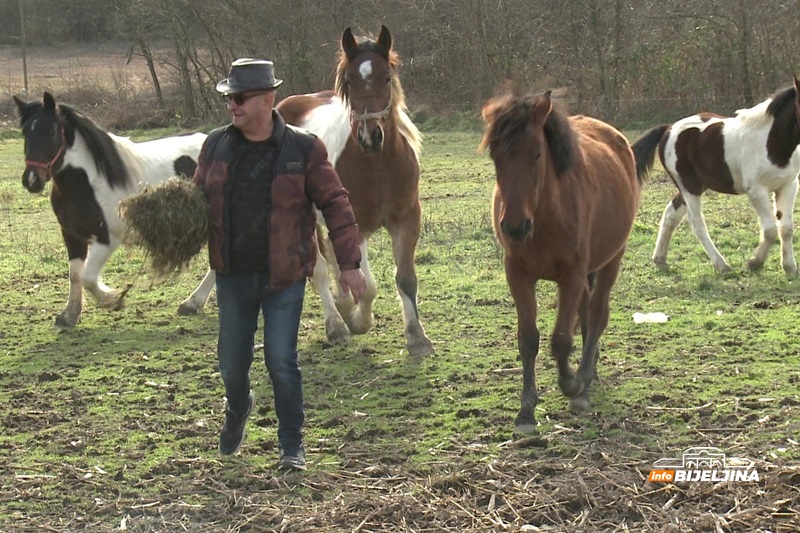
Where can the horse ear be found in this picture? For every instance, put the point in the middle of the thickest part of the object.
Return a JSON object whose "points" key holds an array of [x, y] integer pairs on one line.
{"points": [[385, 40], [542, 108], [20, 104], [348, 43], [49, 101]]}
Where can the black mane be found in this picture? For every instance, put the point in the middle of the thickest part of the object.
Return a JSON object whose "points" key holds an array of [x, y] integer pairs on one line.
{"points": [[508, 131], [101, 146], [780, 100]]}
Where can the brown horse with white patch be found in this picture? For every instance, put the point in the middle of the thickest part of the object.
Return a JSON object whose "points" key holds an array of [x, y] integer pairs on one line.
{"points": [[375, 149], [564, 202], [753, 153]]}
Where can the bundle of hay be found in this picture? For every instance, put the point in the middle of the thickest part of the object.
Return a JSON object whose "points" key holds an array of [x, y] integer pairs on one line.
{"points": [[170, 220]]}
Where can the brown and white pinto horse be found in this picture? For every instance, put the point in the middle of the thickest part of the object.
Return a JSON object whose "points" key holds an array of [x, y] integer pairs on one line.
{"points": [[91, 171], [566, 195], [375, 149], [753, 153]]}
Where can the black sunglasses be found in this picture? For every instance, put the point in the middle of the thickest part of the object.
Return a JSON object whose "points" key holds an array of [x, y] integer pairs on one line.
{"points": [[240, 98]]}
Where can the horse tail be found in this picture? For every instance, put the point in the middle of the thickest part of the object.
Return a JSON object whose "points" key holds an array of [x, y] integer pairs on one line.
{"points": [[323, 241], [644, 150]]}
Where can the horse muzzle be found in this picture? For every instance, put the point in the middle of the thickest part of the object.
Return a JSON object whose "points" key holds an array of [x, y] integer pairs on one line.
{"points": [[370, 140], [34, 179], [520, 232]]}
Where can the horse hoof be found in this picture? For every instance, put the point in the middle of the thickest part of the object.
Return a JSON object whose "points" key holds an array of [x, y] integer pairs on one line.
{"points": [[724, 268], [336, 331], [660, 263], [526, 429], [64, 321], [114, 300], [579, 404], [752, 265], [571, 386], [359, 323], [420, 348], [187, 310], [339, 337]]}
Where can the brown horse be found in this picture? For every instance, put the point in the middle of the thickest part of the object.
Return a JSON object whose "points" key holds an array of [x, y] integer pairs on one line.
{"points": [[566, 195], [375, 148]]}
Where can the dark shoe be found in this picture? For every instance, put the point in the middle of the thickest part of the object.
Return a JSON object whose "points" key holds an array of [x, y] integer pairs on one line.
{"points": [[295, 460], [234, 431]]}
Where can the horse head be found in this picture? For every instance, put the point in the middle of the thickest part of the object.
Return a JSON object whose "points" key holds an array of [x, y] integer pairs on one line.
{"points": [[797, 98], [518, 145], [365, 77], [45, 141]]}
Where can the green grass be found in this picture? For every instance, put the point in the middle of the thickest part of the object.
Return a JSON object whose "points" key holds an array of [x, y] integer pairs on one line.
{"points": [[127, 405]]}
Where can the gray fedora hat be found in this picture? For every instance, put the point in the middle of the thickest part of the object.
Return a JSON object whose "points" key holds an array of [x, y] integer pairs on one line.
{"points": [[248, 74]]}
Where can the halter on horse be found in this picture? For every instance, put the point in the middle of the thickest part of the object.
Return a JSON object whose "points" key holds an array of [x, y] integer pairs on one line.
{"points": [[375, 148]]}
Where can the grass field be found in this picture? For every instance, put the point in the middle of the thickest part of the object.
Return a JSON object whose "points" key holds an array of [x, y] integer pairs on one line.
{"points": [[113, 425]]}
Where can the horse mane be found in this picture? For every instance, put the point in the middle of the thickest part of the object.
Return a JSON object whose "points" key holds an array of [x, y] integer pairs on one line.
{"points": [[508, 119], [774, 107], [780, 100], [399, 111], [101, 146]]}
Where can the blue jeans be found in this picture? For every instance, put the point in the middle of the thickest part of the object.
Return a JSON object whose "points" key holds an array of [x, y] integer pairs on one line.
{"points": [[240, 297]]}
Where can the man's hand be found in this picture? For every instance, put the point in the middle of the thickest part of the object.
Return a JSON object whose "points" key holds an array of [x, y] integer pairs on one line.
{"points": [[353, 282]]}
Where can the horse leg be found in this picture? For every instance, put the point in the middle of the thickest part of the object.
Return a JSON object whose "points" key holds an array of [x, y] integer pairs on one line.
{"points": [[784, 207], [404, 242], [523, 292], [759, 199], [672, 217], [198, 299], [335, 329], [598, 312], [583, 313], [76, 251], [570, 295], [106, 297], [694, 205], [359, 317]]}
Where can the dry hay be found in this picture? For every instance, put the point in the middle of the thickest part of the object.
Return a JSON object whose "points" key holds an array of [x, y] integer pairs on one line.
{"points": [[597, 490], [170, 220]]}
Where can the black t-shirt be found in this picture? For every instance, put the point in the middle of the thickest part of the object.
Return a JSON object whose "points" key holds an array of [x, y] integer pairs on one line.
{"points": [[250, 206]]}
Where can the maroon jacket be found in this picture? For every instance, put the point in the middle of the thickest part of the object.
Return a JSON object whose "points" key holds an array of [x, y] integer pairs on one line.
{"points": [[302, 179]]}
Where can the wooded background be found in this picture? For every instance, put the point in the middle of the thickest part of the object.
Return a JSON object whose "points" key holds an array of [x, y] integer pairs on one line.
{"points": [[626, 61]]}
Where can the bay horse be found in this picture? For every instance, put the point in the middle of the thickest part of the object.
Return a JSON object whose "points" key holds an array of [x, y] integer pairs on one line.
{"points": [[91, 171], [565, 198], [375, 148], [753, 153]]}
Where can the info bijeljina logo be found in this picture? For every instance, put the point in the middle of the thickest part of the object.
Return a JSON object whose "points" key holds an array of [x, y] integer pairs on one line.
{"points": [[703, 464]]}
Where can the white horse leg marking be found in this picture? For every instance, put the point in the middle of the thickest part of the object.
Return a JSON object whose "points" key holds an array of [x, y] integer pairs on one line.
{"points": [[670, 220], [359, 317], [759, 199], [98, 256], [784, 204], [335, 328], [417, 342], [72, 312], [198, 299], [694, 206]]}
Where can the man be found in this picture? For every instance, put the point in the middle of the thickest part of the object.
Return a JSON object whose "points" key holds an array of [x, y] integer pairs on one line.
{"points": [[263, 179]]}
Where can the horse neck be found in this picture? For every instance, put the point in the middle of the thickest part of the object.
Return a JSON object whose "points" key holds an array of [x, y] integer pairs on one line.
{"points": [[134, 158], [405, 129], [783, 137]]}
